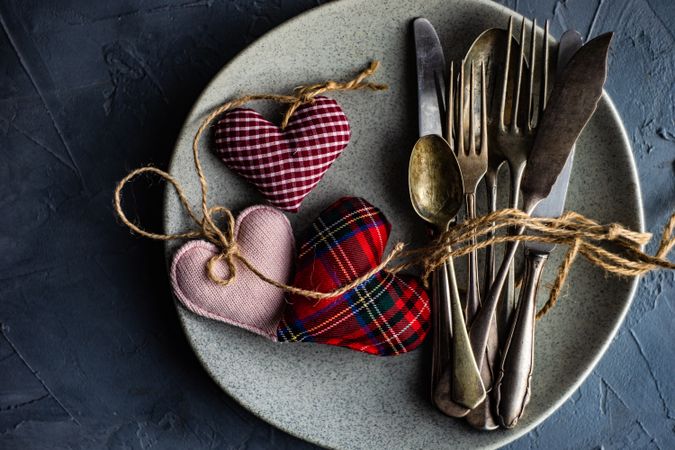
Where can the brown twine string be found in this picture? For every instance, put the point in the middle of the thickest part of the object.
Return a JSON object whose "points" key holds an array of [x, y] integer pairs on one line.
{"points": [[582, 235]]}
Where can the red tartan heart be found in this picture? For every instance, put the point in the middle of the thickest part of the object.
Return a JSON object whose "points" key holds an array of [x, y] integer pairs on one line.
{"points": [[284, 165], [386, 315]]}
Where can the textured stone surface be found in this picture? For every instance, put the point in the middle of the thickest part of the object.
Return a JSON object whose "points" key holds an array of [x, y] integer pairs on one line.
{"points": [[91, 352]]}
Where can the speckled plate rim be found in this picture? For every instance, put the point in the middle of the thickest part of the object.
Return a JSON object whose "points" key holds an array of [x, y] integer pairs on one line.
{"points": [[519, 431]]}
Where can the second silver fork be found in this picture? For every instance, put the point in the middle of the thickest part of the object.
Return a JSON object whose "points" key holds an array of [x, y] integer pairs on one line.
{"points": [[473, 162], [519, 111]]}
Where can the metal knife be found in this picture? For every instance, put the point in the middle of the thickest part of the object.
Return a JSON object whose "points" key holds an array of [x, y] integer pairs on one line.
{"points": [[430, 74], [514, 374], [573, 101]]}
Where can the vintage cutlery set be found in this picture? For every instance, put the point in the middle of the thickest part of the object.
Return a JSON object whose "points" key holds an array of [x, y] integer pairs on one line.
{"points": [[514, 100]]}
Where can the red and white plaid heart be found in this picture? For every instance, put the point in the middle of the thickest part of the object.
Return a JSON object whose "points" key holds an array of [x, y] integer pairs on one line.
{"points": [[284, 165]]}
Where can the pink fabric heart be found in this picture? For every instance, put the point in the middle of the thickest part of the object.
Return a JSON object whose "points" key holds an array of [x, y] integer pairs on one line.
{"points": [[284, 165], [265, 238]]}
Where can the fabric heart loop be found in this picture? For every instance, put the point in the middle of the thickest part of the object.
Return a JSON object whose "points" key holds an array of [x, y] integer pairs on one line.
{"points": [[307, 94]]}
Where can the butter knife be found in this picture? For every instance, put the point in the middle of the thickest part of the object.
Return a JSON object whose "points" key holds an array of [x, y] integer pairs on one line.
{"points": [[514, 374]]}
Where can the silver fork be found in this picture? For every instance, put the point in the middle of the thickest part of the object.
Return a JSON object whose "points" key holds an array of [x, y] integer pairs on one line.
{"points": [[515, 139], [515, 133], [473, 164]]}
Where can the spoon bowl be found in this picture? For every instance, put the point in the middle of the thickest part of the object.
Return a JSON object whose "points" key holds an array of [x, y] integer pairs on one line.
{"points": [[435, 181]]}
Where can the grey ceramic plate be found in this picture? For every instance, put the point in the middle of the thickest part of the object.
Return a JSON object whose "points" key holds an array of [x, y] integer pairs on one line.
{"points": [[340, 398]]}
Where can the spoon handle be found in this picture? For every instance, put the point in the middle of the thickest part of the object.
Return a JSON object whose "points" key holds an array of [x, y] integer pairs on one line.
{"points": [[439, 333], [508, 303], [466, 384], [442, 352], [480, 328], [490, 256], [441, 322]]}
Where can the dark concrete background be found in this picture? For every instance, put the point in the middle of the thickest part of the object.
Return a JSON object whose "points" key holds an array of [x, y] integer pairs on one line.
{"points": [[91, 351]]}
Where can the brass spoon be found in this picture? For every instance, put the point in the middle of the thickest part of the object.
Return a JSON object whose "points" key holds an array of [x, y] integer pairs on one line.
{"points": [[436, 193]]}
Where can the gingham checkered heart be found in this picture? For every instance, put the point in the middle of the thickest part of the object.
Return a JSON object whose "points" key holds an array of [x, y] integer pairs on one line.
{"points": [[386, 315], [284, 165]]}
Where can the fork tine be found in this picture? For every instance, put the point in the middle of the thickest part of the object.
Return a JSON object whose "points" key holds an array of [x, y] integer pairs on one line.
{"points": [[516, 96], [451, 106], [533, 69], [483, 112], [545, 65], [472, 116], [505, 82], [460, 123]]}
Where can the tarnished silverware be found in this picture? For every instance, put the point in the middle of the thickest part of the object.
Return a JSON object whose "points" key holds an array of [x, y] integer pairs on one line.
{"points": [[431, 70], [573, 101], [430, 65], [513, 382], [435, 184], [489, 49], [515, 129]]}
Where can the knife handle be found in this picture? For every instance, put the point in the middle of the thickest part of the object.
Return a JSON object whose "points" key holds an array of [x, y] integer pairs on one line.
{"points": [[514, 376]]}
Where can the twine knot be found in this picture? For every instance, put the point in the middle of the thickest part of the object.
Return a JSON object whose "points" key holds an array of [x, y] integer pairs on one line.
{"points": [[307, 94], [613, 232], [225, 241]]}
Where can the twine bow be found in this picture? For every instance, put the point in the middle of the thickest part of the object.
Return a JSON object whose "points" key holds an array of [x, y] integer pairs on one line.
{"points": [[582, 235]]}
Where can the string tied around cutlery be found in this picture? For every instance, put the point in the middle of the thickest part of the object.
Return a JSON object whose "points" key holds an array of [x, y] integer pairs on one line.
{"points": [[581, 235]]}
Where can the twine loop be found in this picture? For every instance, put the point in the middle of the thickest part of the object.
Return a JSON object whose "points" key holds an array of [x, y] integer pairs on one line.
{"points": [[581, 235]]}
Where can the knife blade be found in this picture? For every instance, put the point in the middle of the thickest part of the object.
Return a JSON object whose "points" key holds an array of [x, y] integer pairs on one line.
{"points": [[514, 373], [430, 78], [573, 101], [554, 204]]}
